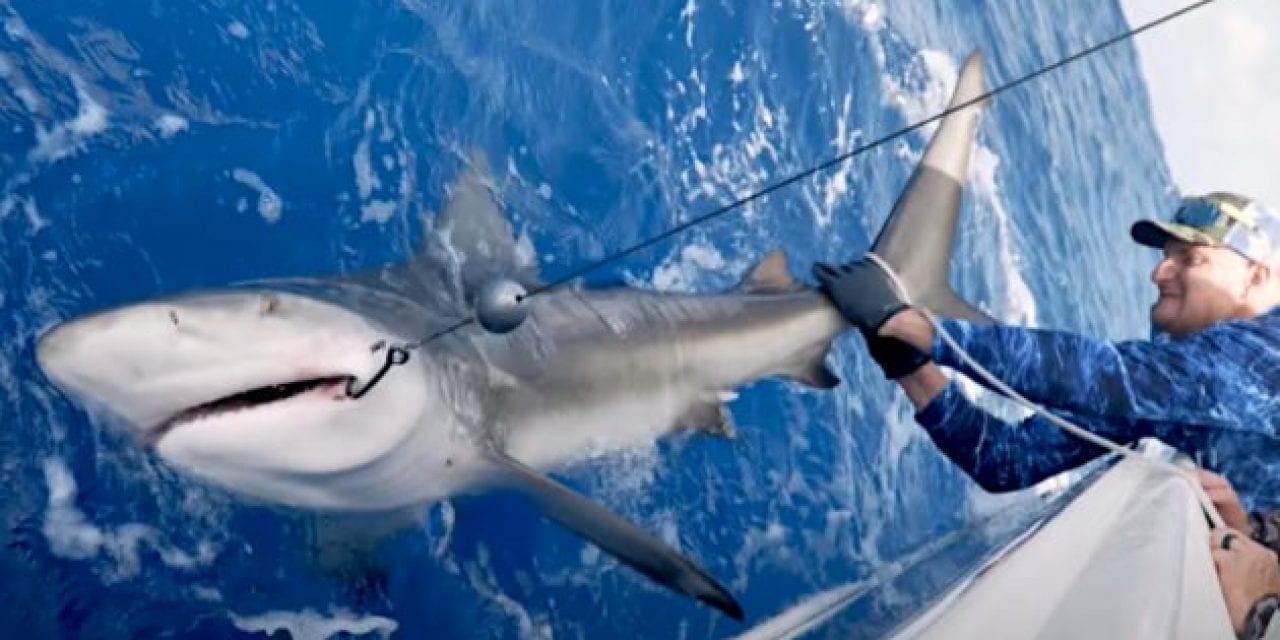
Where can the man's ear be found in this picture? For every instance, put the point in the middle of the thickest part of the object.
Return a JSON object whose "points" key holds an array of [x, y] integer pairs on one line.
{"points": [[1261, 275]]}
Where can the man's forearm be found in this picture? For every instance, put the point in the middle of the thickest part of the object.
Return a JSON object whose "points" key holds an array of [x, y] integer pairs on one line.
{"points": [[923, 385], [910, 326]]}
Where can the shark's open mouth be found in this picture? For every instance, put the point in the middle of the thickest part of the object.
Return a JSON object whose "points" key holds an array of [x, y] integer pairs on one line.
{"points": [[245, 399]]}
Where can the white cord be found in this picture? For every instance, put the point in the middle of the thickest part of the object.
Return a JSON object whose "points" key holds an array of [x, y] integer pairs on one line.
{"points": [[995, 383]]}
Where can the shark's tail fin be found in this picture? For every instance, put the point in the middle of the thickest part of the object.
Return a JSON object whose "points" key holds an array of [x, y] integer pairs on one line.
{"points": [[917, 239]]}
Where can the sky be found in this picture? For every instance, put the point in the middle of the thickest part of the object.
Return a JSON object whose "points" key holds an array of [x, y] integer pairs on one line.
{"points": [[1214, 79]]}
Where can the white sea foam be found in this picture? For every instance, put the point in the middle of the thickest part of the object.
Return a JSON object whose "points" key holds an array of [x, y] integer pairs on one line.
{"points": [[1019, 303], [764, 546], [170, 125], [379, 211], [683, 274], [19, 85], [238, 30], [869, 14], [68, 138], [27, 204], [270, 206], [840, 183], [71, 535], [687, 14], [900, 428], [366, 177], [937, 74], [377, 205], [481, 578], [311, 625]]}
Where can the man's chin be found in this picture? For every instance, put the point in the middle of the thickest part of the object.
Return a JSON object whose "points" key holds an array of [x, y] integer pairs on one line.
{"points": [[1164, 319]]}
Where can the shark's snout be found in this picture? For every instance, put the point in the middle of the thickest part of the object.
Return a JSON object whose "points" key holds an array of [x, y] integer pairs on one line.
{"points": [[53, 351], [154, 362], [81, 357]]}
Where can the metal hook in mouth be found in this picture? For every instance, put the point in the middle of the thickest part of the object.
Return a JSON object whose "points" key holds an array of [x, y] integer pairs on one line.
{"points": [[396, 356]]}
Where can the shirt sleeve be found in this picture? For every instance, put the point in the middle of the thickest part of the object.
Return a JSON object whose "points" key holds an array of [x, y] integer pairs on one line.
{"points": [[1266, 529], [1203, 380], [1260, 621], [1006, 456]]}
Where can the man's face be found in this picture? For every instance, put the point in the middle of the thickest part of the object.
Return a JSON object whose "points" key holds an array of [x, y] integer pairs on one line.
{"points": [[1198, 286]]}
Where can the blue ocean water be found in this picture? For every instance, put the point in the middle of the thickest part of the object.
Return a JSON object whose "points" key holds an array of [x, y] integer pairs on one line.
{"points": [[149, 148]]}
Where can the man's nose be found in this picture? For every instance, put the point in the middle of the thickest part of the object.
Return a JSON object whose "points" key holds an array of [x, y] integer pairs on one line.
{"points": [[1162, 271]]}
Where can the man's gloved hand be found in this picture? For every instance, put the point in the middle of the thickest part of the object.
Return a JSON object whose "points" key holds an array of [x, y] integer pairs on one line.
{"points": [[895, 357], [862, 293], [865, 296]]}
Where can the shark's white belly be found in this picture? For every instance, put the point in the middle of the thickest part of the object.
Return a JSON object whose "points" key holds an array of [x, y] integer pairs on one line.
{"points": [[553, 436]]}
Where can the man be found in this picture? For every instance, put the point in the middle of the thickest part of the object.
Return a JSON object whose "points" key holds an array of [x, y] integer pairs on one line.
{"points": [[1211, 389], [1244, 555]]}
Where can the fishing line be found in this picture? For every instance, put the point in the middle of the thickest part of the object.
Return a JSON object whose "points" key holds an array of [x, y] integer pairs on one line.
{"points": [[878, 142], [398, 355]]}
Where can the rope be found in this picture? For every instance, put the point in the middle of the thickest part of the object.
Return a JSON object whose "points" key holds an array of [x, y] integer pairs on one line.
{"points": [[995, 383]]}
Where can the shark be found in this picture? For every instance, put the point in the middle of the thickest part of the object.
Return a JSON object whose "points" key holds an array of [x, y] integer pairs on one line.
{"points": [[249, 387]]}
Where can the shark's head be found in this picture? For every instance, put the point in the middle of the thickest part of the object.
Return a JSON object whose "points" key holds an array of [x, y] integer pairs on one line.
{"points": [[246, 388]]}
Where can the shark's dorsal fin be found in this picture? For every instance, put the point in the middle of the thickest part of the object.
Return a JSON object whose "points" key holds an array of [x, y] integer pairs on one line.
{"points": [[628, 543], [770, 275], [918, 236], [469, 244], [481, 238]]}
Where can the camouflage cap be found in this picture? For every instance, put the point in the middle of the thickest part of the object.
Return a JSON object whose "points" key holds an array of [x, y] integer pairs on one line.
{"points": [[1218, 219]]}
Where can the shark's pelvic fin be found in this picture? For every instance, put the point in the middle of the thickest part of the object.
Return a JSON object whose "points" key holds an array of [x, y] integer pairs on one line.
{"points": [[918, 236], [711, 418], [638, 549], [815, 373], [770, 275]]}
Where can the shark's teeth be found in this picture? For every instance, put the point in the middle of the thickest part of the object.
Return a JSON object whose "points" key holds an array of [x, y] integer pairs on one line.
{"points": [[245, 399]]}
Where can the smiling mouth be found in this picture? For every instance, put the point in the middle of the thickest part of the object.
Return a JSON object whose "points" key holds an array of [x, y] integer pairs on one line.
{"points": [[244, 400]]}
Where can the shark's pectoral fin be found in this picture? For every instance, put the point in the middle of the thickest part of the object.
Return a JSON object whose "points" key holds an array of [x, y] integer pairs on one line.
{"points": [[638, 549], [709, 417]]}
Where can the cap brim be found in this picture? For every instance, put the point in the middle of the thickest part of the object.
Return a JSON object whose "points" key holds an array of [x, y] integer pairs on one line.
{"points": [[1154, 234]]}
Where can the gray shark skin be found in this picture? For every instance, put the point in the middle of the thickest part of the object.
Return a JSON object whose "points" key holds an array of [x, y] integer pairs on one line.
{"points": [[246, 387]]}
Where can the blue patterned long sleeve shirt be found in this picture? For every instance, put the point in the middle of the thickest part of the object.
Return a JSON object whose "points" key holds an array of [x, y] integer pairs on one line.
{"points": [[1214, 395]]}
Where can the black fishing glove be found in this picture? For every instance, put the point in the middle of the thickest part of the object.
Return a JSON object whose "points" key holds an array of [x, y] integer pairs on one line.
{"points": [[862, 293], [895, 357]]}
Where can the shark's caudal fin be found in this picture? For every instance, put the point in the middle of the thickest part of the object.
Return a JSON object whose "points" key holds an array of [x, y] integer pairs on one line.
{"points": [[917, 238], [639, 550]]}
